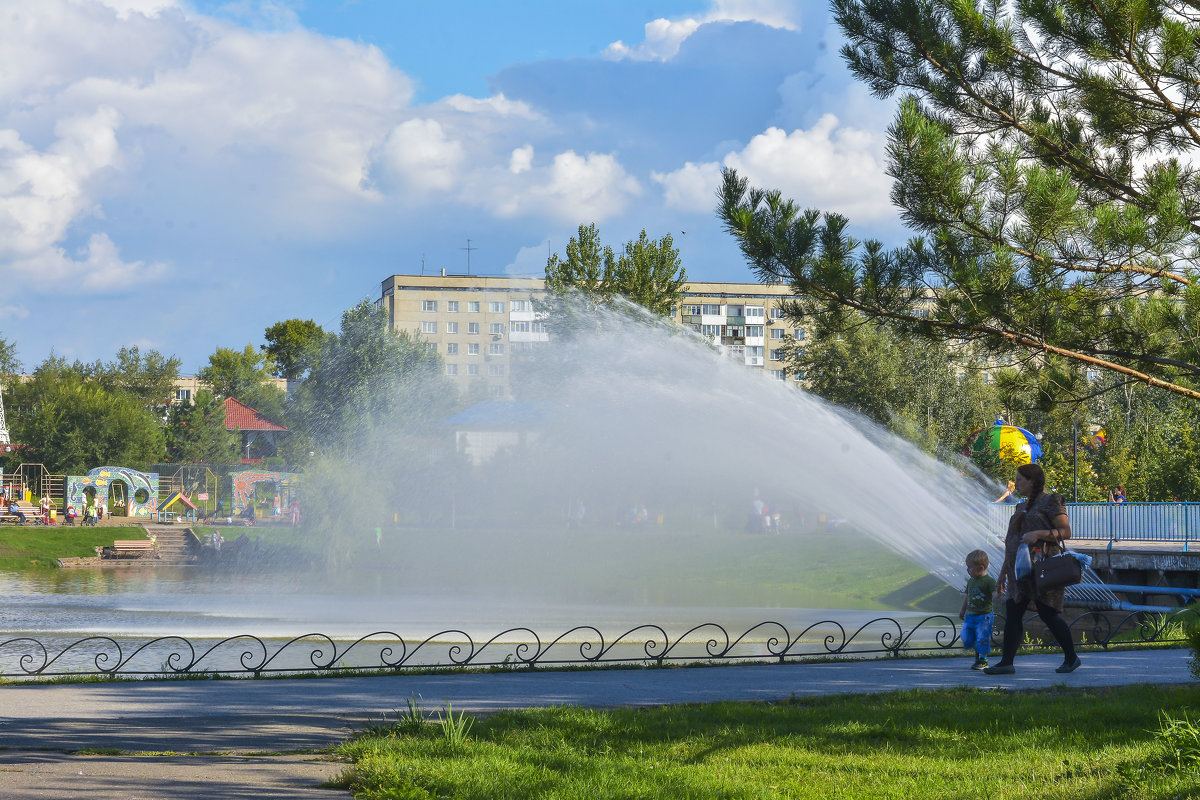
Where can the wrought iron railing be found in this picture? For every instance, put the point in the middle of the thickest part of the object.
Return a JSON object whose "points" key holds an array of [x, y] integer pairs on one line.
{"points": [[586, 645], [1120, 522]]}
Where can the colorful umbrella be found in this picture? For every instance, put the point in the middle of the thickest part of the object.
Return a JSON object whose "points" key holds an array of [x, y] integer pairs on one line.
{"points": [[1001, 436]]}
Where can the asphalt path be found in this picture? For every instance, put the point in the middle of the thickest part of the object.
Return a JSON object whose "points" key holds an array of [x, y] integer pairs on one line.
{"points": [[42, 728]]}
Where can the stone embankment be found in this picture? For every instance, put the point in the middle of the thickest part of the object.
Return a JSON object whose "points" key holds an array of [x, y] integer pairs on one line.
{"points": [[175, 546]]}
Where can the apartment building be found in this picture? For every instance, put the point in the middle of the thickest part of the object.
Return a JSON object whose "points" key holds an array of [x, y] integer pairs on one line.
{"points": [[477, 323]]}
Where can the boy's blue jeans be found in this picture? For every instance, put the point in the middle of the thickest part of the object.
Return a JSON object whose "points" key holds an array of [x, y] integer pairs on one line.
{"points": [[977, 633]]}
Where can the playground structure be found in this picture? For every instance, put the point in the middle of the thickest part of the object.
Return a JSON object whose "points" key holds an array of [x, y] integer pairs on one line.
{"points": [[186, 509], [122, 491], [244, 483]]}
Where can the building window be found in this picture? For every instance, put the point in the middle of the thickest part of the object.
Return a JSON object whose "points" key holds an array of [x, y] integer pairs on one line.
{"points": [[496, 392], [520, 305], [428, 327], [711, 309], [429, 305], [472, 306], [777, 333], [183, 395], [539, 327], [452, 349], [472, 327], [777, 355], [755, 311], [496, 328], [472, 369], [776, 313], [495, 370], [431, 346], [495, 307], [754, 352], [495, 349], [754, 330], [473, 349], [798, 334], [800, 352], [1093, 374], [798, 376], [692, 309], [710, 330], [777, 374], [519, 327], [451, 327], [452, 306], [452, 369]]}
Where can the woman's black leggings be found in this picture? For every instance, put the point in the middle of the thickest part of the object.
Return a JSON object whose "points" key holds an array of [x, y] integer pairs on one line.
{"points": [[1014, 614]]}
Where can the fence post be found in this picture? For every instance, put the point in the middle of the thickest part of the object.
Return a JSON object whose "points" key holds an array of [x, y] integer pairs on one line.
{"points": [[1187, 534]]}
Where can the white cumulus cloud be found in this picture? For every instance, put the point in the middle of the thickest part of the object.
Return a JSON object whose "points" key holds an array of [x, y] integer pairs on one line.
{"points": [[42, 193], [574, 188], [422, 156], [664, 36], [521, 160], [826, 166]]}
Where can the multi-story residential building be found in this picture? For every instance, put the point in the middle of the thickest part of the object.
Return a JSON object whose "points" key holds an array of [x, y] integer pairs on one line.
{"points": [[478, 322]]}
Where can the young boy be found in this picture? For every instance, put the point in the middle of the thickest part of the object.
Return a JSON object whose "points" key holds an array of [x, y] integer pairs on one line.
{"points": [[976, 611]]}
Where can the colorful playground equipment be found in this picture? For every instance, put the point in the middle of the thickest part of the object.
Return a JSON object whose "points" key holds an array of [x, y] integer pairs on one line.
{"points": [[184, 508], [123, 491]]}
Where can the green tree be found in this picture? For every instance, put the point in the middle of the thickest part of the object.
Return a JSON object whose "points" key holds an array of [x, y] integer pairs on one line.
{"points": [[370, 382], [149, 377], [648, 273], [10, 365], [293, 347], [71, 423], [1043, 153], [246, 377], [196, 434]]}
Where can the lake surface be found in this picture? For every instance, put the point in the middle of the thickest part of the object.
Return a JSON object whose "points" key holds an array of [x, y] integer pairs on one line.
{"points": [[135, 605]]}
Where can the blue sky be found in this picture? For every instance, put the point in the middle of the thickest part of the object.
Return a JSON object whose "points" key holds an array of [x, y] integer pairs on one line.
{"points": [[181, 175]]}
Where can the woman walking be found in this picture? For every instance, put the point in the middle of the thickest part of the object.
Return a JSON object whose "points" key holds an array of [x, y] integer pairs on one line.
{"points": [[1040, 522]]}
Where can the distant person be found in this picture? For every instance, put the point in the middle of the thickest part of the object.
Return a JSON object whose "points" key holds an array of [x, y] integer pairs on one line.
{"points": [[1008, 496], [13, 508], [277, 510], [70, 515], [1116, 495], [295, 511], [976, 612], [1040, 522], [45, 508]]}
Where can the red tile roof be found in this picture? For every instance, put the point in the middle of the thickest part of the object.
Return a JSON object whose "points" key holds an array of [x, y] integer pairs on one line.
{"points": [[241, 417]]}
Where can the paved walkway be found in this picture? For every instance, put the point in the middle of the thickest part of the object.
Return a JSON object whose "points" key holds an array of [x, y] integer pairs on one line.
{"points": [[40, 725]]}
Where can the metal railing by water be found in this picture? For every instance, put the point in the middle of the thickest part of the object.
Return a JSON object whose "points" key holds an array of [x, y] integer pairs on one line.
{"points": [[1120, 522], [521, 647]]}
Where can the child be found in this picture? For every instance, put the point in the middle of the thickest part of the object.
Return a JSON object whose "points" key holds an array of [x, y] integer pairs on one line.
{"points": [[976, 611]]}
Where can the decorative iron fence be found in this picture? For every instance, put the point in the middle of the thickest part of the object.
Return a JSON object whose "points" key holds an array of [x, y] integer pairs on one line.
{"points": [[1120, 522], [583, 645]]}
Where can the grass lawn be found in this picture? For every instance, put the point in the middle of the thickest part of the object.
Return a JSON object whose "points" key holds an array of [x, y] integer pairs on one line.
{"points": [[1062, 743], [27, 546]]}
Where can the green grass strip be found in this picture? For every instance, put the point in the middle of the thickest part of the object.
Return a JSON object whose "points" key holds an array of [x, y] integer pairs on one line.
{"points": [[1088, 744], [39, 547]]}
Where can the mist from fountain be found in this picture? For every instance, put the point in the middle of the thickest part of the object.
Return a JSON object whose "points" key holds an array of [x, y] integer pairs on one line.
{"points": [[634, 411]]}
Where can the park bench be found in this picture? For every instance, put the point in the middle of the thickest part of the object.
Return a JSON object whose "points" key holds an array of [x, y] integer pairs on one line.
{"points": [[128, 548], [10, 519]]}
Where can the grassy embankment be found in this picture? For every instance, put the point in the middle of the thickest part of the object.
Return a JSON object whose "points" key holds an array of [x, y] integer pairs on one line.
{"points": [[1085, 744], [30, 547], [818, 569]]}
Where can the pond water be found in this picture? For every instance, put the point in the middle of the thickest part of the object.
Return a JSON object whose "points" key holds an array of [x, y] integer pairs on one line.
{"points": [[133, 606]]}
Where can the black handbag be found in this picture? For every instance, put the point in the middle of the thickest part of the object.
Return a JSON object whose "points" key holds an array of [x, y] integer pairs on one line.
{"points": [[1058, 571]]}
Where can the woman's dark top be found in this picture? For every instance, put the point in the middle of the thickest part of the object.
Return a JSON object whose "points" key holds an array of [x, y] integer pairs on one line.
{"points": [[1039, 517]]}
